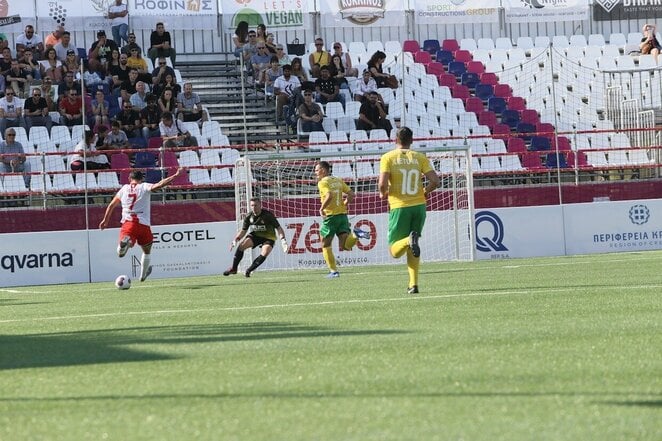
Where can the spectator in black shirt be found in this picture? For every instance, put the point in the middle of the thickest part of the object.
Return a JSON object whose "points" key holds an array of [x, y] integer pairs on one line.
{"points": [[131, 45], [99, 55], [372, 114], [120, 74], [35, 111], [68, 83], [160, 71], [327, 88], [129, 120], [151, 117], [128, 88], [161, 44]]}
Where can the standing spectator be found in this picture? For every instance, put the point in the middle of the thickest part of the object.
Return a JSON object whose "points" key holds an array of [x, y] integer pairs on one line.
{"points": [[12, 156], [118, 13], [129, 120], [19, 79], [310, 113], [64, 46], [71, 109], [11, 110], [150, 117], [50, 66], [372, 114], [345, 59], [134, 199], [99, 109], [365, 85], [285, 87], [161, 44], [28, 39], [327, 88], [126, 49], [86, 155], [173, 134], [189, 107], [401, 173], [100, 50], [240, 38], [35, 111], [116, 139], [54, 37], [319, 58], [139, 99]]}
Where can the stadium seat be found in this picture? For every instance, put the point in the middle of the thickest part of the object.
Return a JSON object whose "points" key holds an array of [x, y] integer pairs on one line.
{"points": [[501, 131], [431, 46], [392, 47], [502, 90], [444, 57], [470, 80], [532, 161], [516, 103], [554, 160], [524, 130], [410, 46], [529, 116], [516, 145], [485, 43], [145, 159], [422, 57], [468, 44], [474, 104], [509, 117], [460, 91], [221, 176], [498, 106], [463, 56], [189, 158], [447, 80], [487, 118], [579, 157], [155, 142], [210, 157], [561, 143], [476, 67], [457, 68], [450, 44], [108, 180], [435, 68], [199, 176], [484, 91], [540, 143]]}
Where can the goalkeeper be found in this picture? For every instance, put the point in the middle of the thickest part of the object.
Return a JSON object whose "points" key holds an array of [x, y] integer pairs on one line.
{"points": [[263, 225], [335, 195]]}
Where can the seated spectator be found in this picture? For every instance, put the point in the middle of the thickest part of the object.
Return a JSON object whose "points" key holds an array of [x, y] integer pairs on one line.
{"points": [[270, 75], [100, 106], [270, 44], [260, 62], [11, 110], [48, 93], [5, 61], [189, 107], [248, 50], [128, 88], [173, 134], [54, 37], [35, 111], [50, 66], [86, 156], [94, 79], [372, 114], [12, 156], [136, 61], [161, 44], [30, 64], [120, 74], [64, 46], [346, 60], [649, 43], [167, 102], [327, 88], [65, 86], [364, 85], [161, 71], [129, 120], [168, 83], [101, 132], [298, 70], [29, 39], [71, 109], [116, 139], [337, 71], [318, 59], [19, 79], [99, 54], [285, 87], [71, 64], [375, 66], [139, 99], [310, 113], [283, 58], [150, 117], [126, 49]]}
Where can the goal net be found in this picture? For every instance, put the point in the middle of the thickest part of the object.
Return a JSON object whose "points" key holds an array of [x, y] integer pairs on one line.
{"points": [[287, 186]]}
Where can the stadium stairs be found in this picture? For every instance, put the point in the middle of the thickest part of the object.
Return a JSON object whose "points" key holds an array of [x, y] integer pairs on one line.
{"points": [[218, 82]]}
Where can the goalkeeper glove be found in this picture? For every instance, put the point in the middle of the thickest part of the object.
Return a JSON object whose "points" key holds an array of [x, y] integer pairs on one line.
{"points": [[283, 243]]}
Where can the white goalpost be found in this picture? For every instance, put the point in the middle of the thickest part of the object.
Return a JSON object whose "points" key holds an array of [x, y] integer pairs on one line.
{"points": [[287, 186]]}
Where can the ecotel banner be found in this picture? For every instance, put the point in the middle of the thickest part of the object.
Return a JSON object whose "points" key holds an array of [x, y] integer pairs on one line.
{"points": [[529, 11], [455, 11]]}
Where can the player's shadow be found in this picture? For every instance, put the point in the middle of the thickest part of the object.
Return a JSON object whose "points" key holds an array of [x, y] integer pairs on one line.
{"points": [[14, 302], [114, 345]]}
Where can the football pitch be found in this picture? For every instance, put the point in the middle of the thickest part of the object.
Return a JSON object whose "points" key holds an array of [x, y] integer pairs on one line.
{"points": [[529, 349]]}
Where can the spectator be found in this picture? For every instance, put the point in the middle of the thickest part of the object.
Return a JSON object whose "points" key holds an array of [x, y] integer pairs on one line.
{"points": [[48, 93], [271, 74], [101, 131], [376, 69], [64, 46], [114, 60], [30, 65], [189, 107], [94, 79], [12, 156], [260, 61], [298, 70], [19, 79], [161, 44], [372, 114], [248, 50], [365, 85], [345, 60], [65, 86], [240, 38], [169, 83], [120, 74], [71, 64], [337, 72], [310, 113], [35, 111], [160, 71], [126, 49], [100, 106], [150, 117], [327, 88], [167, 102], [5, 62], [99, 55], [319, 58], [86, 156], [649, 43], [119, 14], [129, 120], [128, 88], [261, 33], [283, 58], [173, 134], [71, 109], [116, 139], [136, 61], [270, 44], [285, 87], [28, 39], [50, 66], [11, 110], [54, 37], [139, 99]]}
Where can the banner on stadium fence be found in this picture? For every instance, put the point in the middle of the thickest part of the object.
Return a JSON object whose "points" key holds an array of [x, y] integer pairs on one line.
{"points": [[453, 11], [604, 10], [280, 15], [352, 13], [531, 11]]}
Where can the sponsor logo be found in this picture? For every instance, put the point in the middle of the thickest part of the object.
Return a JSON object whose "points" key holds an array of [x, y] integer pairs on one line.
{"points": [[639, 214], [183, 236], [494, 240], [539, 4], [457, 2], [362, 12], [12, 262], [607, 5]]}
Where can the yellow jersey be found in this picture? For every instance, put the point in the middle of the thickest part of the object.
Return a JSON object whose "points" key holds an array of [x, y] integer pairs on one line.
{"points": [[336, 187], [406, 169]]}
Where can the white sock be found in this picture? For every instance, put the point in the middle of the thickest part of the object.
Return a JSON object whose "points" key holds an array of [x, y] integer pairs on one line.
{"points": [[144, 263]]}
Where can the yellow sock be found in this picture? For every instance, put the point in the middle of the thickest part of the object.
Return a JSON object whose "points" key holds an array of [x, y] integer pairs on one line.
{"points": [[329, 258], [399, 247], [350, 242], [412, 268]]}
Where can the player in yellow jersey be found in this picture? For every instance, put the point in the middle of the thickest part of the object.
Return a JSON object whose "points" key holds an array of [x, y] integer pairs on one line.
{"points": [[401, 174], [335, 196]]}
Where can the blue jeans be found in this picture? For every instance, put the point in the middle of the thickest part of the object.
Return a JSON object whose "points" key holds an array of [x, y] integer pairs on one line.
{"points": [[120, 32]]}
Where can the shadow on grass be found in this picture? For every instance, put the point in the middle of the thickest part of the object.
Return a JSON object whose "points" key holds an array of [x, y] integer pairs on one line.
{"points": [[637, 403], [108, 345], [14, 302]]}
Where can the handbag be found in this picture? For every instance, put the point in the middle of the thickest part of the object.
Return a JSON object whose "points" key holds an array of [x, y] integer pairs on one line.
{"points": [[391, 81], [296, 48]]}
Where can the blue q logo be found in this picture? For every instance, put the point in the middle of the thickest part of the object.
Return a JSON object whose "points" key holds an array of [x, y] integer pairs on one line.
{"points": [[494, 243], [639, 214]]}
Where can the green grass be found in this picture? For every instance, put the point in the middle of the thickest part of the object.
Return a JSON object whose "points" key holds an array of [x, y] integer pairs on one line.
{"points": [[535, 349]]}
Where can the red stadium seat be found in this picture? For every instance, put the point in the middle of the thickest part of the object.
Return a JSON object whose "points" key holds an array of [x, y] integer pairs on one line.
{"points": [[410, 46], [516, 103], [463, 56], [502, 90], [516, 145], [476, 67], [489, 119], [435, 68], [489, 78], [473, 104], [447, 80], [529, 116], [422, 57], [450, 45]]}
